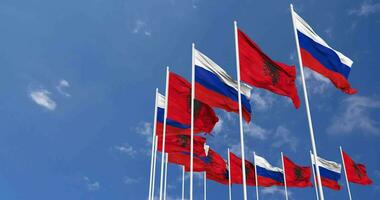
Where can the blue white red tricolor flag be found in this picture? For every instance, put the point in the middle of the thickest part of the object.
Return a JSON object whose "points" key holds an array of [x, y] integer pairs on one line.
{"points": [[330, 172], [267, 175], [317, 55], [217, 89]]}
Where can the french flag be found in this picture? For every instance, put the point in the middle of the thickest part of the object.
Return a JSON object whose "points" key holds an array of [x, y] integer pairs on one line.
{"points": [[172, 127], [330, 172], [267, 175], [217, 89], [317, 55]]}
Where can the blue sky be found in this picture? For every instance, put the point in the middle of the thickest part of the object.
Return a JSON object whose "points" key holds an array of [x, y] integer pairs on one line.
{"points": [[77, 88]]}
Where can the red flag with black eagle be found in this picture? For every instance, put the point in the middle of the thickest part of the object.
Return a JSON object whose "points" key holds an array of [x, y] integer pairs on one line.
{"points": [[356, 172], [236, 171], [296, 176], [181, 143], [216, 168], [259, 70]]}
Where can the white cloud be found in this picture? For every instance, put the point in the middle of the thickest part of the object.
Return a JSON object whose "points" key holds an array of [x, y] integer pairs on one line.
{"points": [[262, 100], [315, 82], [365, 9], [91, 185], [126, 149], [356, 115], [141, 27], [275, 190], [41, 97], [130, 180], [218, 126], [283, 137], [145, 129], [60, 87], [256, 131]]}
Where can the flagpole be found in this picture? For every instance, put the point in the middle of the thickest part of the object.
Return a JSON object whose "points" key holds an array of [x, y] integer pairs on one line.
{"points": [[283, 168], [205, 186], [153, 144], [229, 175], [240, 112], [192, 121], [164, 132], [315, 179], [345, 173], [154, 166], [256, 177], [183, 182], [166, 174], [314, 148]]}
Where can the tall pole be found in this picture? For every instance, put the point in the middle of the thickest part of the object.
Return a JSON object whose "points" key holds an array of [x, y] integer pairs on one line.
{"points": [[256, 176], [315, 178], [153, 146], [166, 174], [192, 120], [205, 186], [229, 175], [183, 182], [240, 111], [164, 132], [345, 173], [314, 148], [154, 166], [283, 168]]}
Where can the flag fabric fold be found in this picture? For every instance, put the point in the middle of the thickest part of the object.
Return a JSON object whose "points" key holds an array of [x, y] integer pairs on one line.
{"points": [[236, 171], [257, 69], [267, 175], [217, 89], [356, 172], [216, 169], [330, 172], [317, 55], [181, 143], [296, 176]]}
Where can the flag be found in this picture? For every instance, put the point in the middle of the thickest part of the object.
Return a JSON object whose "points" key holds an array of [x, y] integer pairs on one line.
{"points": [[267, 175], [317, 55], [296, 176], [236, 171], [216, 169], [181, 143], [217, 89], [200, 159], [257, 69], [355, 172], [329, 171]]}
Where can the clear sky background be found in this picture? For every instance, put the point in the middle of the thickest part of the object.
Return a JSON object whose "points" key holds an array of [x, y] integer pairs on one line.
{"points": [[77, 81]]}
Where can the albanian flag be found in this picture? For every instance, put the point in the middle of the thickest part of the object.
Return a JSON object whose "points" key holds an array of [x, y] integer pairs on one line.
{"points": [[179, 108], [257, 69], [216, 169], [236, 171], [296, 176], [183, 158], [356, 172], [181, 143]]}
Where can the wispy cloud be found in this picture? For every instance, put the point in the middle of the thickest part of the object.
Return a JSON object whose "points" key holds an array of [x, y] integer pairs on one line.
{"points": [[275, 190], [256, 131], [91, 185], [126, 149], [356, 115], [365, 9], [262, 100], [316, 83], [283, 137], [42, 98], [145, 129], [140, 27], [130, 180], [61, 86], [218, 127]]}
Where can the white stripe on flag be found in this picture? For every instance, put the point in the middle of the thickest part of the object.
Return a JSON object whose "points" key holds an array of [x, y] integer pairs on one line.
{"points": [[330, 165], [161, 101], [262, 162]]}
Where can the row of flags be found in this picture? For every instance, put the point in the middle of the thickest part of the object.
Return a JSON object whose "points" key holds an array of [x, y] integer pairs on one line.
{"points": [[213, 88]]}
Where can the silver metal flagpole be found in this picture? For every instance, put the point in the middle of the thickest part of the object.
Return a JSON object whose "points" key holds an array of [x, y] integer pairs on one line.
{"points": [[283, 168], [154, 166], [314, 148], [256, 176], [183, 182], [153, 144], [229, 175], [315, 178], [166, 174], [205, 186], [240, 112], [192, 120], [345, 173], [164, 132]]}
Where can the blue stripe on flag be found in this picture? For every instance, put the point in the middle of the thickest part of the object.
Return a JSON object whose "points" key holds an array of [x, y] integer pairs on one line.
{"points": [[277, 176], [170, 122], [329, 174]]}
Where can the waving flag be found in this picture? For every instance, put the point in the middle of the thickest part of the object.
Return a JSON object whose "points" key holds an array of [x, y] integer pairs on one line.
{"points": [[356, 172], [257, 69], [317, 55], [236, 171], [217, 89], [267, 175], [296, 176], [179, 109], [216, 168], [183, 158], [181, 143], [330, 172]]}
